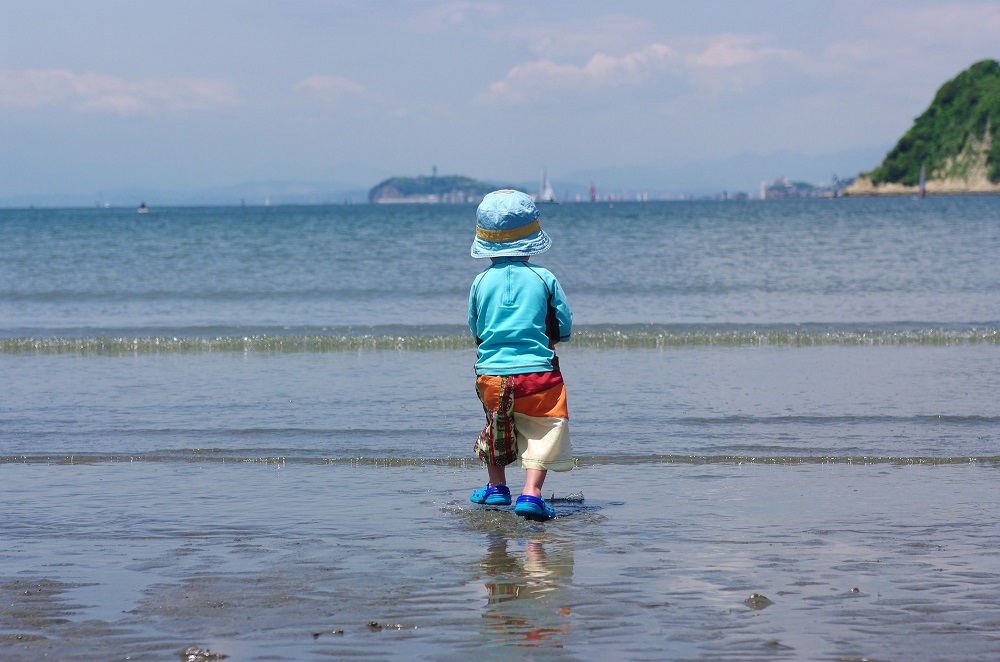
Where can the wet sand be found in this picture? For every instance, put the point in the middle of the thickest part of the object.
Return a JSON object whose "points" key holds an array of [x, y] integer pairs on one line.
{"points": [[308, 560]]}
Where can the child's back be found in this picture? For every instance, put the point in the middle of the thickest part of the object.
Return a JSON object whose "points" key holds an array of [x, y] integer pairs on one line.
{"points": [[511, 306]]}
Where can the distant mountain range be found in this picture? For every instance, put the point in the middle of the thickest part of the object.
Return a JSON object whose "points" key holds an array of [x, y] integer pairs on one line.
{"points": [[743, 173]]}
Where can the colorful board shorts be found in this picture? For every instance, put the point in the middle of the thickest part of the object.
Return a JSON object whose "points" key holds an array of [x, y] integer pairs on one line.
{"points": [[526, 418]]}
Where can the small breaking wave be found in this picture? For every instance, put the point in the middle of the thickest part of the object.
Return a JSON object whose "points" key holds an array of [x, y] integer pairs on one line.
{"points": [[235, 456], [439, 338]]}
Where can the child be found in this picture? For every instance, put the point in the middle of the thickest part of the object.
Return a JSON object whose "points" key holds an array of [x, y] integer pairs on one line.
{"points": [[517, 313]]}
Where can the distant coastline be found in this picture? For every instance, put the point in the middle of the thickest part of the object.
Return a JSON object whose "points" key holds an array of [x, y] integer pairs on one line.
{"points": [[863, 186]]}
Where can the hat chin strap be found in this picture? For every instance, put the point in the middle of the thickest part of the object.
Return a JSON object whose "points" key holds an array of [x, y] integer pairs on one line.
{"points": [[497, 236]]}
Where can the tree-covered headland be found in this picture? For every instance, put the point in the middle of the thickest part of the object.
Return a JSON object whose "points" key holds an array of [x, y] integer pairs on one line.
{"points": [[956, 140]]}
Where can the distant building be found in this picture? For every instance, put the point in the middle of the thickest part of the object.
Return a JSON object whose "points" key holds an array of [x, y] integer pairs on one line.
{"points": [[785, 188]]}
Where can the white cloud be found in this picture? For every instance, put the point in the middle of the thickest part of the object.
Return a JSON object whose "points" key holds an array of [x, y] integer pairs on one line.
{"points": [[438, 17], [43, 88], [732, 65], [717, 64], [732, 51], [545, 79], [332, 90], [611, 33]]}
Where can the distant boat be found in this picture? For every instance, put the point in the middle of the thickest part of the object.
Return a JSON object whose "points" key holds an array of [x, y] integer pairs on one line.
{"points": [[143, 209], [922, 189], [545, 192]]}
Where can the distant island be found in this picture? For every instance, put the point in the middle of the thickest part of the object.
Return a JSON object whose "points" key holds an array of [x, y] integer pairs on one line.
{"points": [[446, 189], [956, 141]]}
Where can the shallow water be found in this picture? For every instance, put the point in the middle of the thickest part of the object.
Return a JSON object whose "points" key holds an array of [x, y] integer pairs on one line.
{"points": [[293, 561], [264, 506], [783, 404], [250, 431]]}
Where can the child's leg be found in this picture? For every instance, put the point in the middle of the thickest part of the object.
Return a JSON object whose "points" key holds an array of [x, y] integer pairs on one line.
{"points": [[533, 479], [496, 492], [530, 504], [497, 474]]}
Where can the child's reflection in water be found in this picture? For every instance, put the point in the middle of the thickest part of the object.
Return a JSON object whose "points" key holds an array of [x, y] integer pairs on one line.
{"points": [[526, 581]]}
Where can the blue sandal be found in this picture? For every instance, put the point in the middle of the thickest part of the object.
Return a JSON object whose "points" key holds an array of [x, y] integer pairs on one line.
{"points": [[533, 508], [492, 495]]}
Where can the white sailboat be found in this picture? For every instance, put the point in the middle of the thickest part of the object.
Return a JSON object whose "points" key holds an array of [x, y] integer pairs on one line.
{"points": [[545, 192], [922, 187]]}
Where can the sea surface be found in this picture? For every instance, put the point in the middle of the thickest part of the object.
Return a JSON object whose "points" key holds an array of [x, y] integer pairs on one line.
{"points": [[247, 432]]}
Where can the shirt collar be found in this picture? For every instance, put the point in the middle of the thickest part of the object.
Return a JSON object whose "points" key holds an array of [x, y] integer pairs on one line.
{"points": [[510, 258]]}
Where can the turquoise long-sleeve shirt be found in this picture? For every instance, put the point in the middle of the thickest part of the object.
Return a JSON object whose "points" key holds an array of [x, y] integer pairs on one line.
{"points": [[508, 304]]}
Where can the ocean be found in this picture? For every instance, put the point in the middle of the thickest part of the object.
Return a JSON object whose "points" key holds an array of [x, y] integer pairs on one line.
{"points": [[247, 431]]}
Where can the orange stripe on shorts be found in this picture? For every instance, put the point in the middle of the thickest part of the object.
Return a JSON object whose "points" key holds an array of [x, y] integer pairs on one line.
{"points": [[551, 402]]}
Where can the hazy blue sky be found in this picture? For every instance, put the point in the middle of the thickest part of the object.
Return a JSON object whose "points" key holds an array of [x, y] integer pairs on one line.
{"points": [[186, 94]]}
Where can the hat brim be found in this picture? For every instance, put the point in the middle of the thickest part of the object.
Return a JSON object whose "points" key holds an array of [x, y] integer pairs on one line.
{"points": [[533, 244]]}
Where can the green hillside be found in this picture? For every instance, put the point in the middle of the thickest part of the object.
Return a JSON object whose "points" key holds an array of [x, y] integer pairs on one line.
{"points": [[961, 126]]}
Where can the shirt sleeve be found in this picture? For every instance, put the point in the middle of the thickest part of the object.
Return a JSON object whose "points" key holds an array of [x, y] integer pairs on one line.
{"points": [[563, 312], [473, 312]]}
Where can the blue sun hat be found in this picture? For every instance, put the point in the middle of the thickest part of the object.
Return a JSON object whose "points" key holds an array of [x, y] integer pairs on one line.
{"points": [[507, 226]]}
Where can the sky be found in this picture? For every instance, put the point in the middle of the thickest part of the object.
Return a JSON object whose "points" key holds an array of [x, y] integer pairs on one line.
{"points": [[187, 94]]}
